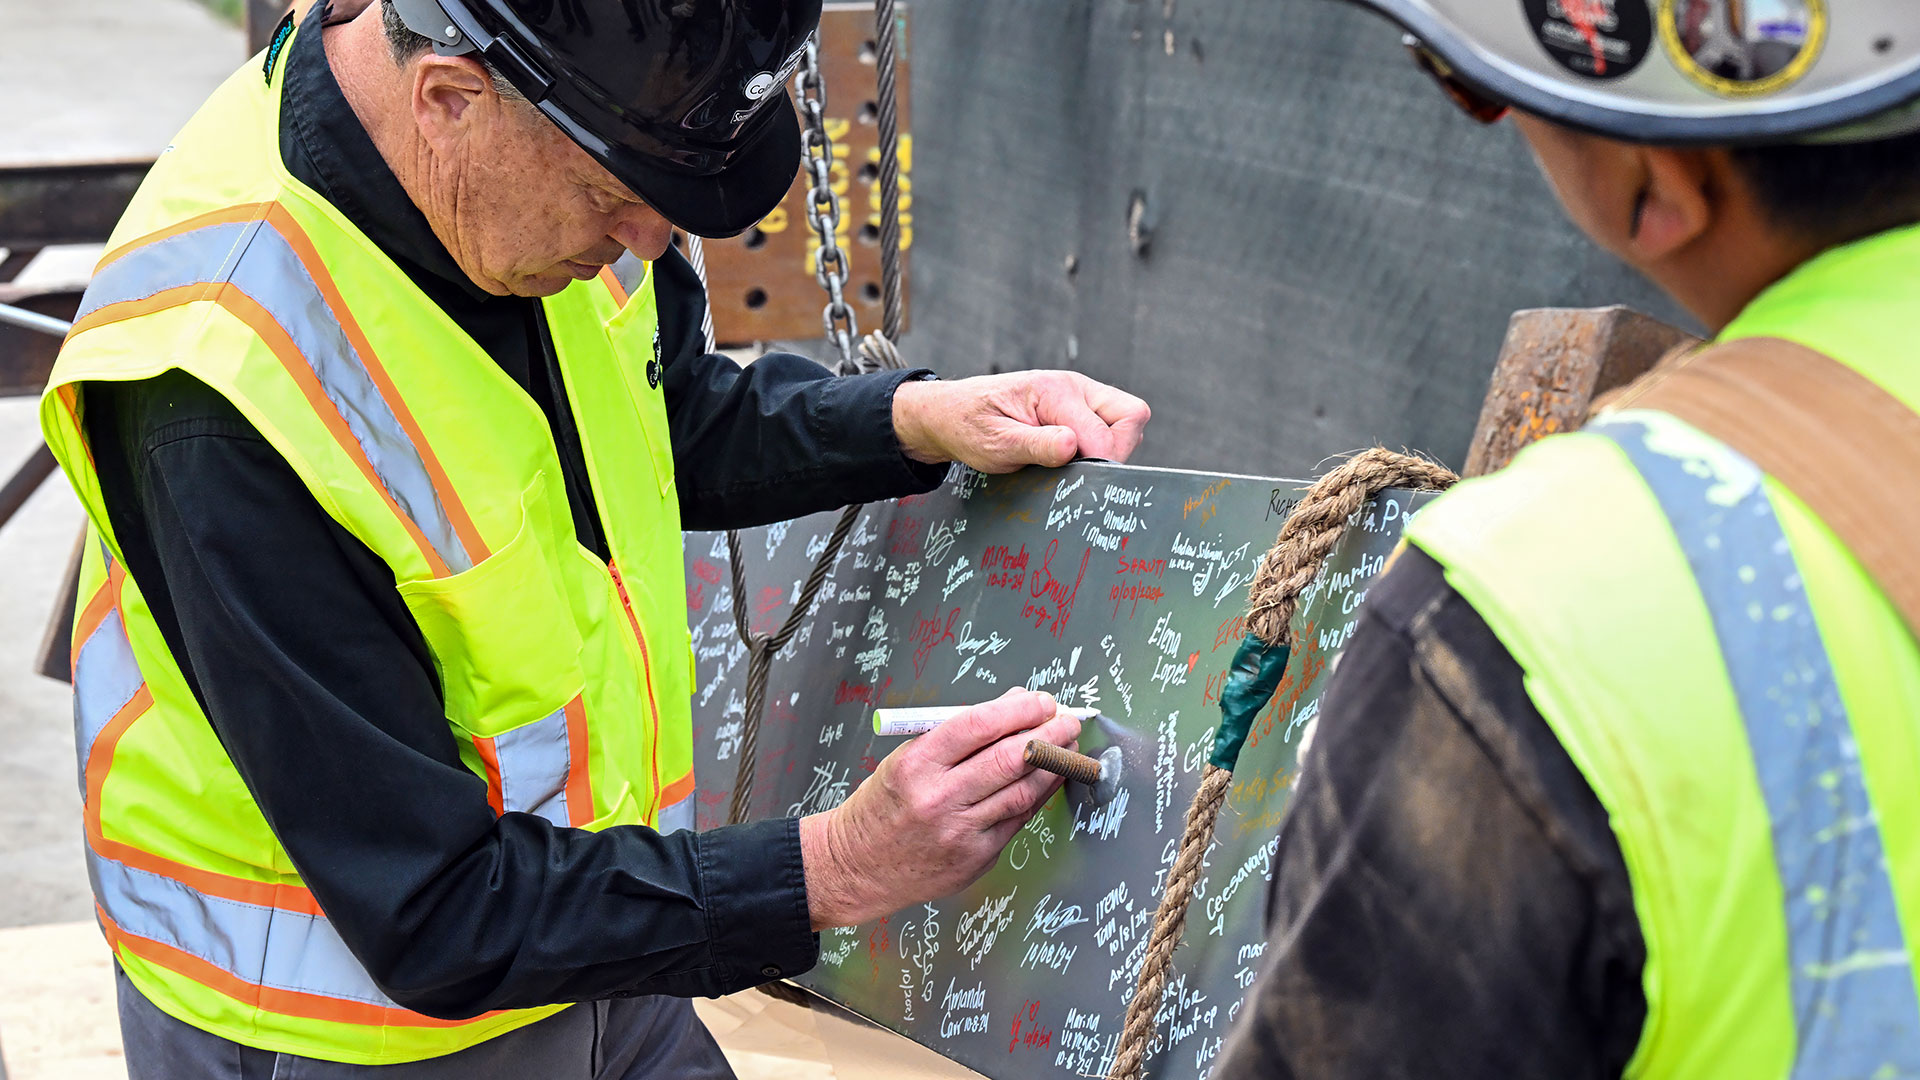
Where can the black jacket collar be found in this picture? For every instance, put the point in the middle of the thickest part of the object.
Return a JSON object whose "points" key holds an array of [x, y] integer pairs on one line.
{"points": [[324, 147]]}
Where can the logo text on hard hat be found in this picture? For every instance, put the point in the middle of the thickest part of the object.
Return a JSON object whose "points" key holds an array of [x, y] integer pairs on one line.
{"points": [[1597, 39]]}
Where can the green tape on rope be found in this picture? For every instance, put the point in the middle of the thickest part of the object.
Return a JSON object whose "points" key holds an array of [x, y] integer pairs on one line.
{"points": [[1255, 675]]}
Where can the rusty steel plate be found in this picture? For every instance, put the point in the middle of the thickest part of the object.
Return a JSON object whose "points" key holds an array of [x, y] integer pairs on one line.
{"points": [[761, 284]]}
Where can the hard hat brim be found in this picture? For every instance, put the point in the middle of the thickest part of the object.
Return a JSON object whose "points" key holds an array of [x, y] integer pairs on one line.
{"points": [[1703, 120], [723, 203]]}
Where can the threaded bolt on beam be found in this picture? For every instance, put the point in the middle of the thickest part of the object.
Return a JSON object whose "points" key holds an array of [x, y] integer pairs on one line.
{"points": [[1062, 762]]}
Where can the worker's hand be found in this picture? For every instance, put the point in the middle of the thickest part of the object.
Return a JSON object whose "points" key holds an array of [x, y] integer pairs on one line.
{"points": [[999, 423], [936, 813]]}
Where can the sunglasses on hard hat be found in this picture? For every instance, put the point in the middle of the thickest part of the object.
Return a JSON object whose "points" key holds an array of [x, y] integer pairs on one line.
{"points": [[1485, 109]]}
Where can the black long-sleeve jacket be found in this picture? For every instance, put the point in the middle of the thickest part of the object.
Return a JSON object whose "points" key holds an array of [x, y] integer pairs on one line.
{"points": [[320, 688]]}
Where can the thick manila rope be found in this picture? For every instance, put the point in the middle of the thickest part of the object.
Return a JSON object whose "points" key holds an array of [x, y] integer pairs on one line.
{"points": [[1310, 534]]}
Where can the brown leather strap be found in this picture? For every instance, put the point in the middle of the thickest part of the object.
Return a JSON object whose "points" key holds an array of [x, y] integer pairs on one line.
{"points": [[1844, 446]]}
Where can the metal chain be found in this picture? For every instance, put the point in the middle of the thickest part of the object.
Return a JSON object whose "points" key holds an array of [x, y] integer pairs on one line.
{"points": [[823, 206], [830, 269]]}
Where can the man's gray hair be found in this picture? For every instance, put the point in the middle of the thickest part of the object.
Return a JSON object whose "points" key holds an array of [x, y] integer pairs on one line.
{"points": [[407, 45]]}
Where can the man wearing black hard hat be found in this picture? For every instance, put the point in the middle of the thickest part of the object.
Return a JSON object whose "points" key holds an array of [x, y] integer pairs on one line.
{"points": [[382, 669], [1618, 773]]}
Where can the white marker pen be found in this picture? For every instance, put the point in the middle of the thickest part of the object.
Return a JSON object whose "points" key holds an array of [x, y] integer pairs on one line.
{"points": [[919, 721]]}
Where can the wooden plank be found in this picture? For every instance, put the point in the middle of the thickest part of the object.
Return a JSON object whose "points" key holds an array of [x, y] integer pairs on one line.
{"points": [[1554, 364]]}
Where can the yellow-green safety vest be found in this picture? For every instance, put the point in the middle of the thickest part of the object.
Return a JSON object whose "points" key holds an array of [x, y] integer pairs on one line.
{"points": [[1740, 695], [566, 679]]}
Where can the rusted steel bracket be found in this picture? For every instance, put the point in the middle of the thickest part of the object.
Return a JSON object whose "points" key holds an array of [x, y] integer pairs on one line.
{"points": [[1554, 364]]}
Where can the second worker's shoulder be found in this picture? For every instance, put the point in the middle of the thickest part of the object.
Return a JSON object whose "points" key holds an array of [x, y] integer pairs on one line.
{"points": [[1569, 509], [1571, 560]]}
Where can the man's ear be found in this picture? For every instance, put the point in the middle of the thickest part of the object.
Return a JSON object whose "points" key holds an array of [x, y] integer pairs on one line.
{"points": [[445, 91], [1676, 204]]}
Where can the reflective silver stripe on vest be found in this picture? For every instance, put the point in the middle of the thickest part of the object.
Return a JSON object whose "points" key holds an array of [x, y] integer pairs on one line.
{"points": [[1855, 1008], [676, 817], [258, 261], [105, 678], [534, 761], [197, 257], [259, 945]]}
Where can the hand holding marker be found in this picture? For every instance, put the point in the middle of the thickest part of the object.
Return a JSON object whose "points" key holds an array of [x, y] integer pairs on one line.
{"points": [[919, 721], [1101, 775]]}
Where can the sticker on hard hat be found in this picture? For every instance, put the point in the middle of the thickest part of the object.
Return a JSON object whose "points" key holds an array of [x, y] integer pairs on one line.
{"points": [[757, 88], [759, 85], [1741, 48], [1599, 39]]}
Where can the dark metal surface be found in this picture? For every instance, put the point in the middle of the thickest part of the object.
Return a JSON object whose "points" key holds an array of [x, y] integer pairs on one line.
{"points": [[26, 355], [43, 205], [15, 260], [761, 284], [1555, 364], [25, 481], [55, 658], [1108, 586]]}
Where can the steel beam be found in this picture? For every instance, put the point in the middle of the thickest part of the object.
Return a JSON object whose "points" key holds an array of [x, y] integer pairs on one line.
{"points": [[29, 343], [43, 205], [25, 481]]}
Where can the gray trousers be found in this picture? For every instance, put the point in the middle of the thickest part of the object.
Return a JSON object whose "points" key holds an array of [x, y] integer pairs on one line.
{"points": [[642, 1038]]}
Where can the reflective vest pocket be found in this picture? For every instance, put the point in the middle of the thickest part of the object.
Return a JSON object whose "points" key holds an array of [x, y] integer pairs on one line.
{"points": [[503, 638], [624, 809]]}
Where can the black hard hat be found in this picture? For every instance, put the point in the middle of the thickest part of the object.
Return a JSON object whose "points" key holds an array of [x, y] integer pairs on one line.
{"points": [[684, 101]]}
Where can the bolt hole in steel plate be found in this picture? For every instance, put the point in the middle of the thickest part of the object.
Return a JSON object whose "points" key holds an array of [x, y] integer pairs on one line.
{"points": [[776, 256]]}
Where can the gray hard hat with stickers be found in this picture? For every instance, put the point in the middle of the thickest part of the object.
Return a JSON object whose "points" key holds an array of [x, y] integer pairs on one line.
{"points": [[1680, 71]]}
